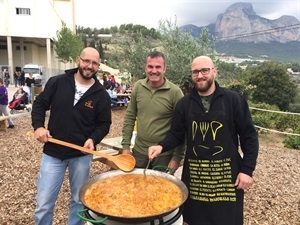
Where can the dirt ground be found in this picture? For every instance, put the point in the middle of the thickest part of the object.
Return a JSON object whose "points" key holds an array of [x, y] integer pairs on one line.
{"points": [[274, 199]]}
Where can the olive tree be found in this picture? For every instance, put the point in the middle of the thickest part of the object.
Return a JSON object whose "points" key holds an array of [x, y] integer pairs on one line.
{"points": [[181, 48], [67, 45], [130, 55]]}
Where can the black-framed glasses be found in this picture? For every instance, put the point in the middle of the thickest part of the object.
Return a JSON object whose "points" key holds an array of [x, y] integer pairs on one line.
{"points": [[203, 71], [87, 62]]}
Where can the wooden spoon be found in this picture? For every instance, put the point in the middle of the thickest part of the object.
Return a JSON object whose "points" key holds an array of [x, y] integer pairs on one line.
{"points": [[124, 162]]}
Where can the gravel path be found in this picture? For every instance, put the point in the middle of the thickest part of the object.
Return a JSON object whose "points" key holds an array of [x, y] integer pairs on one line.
{"points": [[274, 199]]}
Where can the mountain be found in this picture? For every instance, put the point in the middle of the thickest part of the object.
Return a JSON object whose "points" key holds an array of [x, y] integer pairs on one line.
{"points": [[241, 23]]}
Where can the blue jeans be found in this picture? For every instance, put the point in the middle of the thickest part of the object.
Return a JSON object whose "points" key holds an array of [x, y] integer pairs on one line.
{"points": [[50, 179], [114, 103], [29, 94]]}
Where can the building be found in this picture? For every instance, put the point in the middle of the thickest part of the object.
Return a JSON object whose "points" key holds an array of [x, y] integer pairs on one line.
{"points": [[27, 31]]}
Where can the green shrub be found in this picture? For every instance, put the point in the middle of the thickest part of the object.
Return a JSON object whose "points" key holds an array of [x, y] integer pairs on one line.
{"points": [[292, 142], [277, 121]]}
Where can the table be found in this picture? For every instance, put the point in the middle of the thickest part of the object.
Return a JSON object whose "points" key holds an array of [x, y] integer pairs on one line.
{"points": [[114, 143], [123, 99], [123, 95]]}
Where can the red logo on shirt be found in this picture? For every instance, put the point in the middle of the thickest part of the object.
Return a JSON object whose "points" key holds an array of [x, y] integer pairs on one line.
{"points": [[89, 104]]}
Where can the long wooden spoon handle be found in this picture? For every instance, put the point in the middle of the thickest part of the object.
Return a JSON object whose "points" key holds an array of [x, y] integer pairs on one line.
{"points": [[77, 147], [70, 145]]}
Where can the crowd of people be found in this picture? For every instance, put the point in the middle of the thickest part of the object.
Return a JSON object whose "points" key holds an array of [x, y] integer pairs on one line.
{"points": [[208, 131], [24, 85], [114, 88]]}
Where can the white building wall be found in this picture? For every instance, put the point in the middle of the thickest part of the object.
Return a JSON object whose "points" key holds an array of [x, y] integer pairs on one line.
{"points": [[44, 21]]}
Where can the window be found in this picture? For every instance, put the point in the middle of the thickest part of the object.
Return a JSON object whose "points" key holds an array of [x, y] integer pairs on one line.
{"points": [[18, 48], [3, 47], [23, 11]]}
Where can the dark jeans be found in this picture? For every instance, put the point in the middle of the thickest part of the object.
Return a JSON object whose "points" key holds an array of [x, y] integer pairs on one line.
{"points": [[113, 103]]}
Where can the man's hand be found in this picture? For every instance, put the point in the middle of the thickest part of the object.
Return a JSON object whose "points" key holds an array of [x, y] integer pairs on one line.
{"points": [[243, 181], [42, 134], [173, 166], [154, 151], [126, 151], [89, 143]]}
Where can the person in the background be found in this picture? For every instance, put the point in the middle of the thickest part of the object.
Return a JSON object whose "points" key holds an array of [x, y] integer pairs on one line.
{"points": [[19, 93], [106, 80], [80, 114], [213, 122], [4, 103], [6, 77], [118, 89], [28, 82], [123, 86], [113, 81], [17, 78], [113, 97], [152, 104], [22, 78]]}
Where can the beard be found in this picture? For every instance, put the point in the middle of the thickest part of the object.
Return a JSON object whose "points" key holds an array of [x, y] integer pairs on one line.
{"points": [[86, 77], [204, 86]]}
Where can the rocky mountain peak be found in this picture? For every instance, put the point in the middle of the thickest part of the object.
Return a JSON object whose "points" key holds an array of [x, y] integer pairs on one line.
{"points": [[240, 22], [243, 7]]}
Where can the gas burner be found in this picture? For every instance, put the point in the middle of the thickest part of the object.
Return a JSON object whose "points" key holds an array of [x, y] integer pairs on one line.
{"points": [[174, 218]]}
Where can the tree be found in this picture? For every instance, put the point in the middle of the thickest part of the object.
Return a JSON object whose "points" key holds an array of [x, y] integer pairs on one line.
{"points": [[274, 85], [181, 49], [131, 55], [94, 40], [68, 45]]}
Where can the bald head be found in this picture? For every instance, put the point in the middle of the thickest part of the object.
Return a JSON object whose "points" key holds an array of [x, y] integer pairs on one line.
{"points": [[92, 52], [203, 61]]}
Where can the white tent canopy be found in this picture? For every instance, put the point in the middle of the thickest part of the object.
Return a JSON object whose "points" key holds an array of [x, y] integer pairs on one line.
{"points": [[106, 68]]}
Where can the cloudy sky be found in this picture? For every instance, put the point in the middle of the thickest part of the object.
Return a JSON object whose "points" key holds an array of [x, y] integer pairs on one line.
{"points": [[101, 13]]}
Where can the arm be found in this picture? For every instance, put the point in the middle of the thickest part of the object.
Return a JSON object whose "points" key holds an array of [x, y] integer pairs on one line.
{"points": [[128, 125], [179, 151], [248, 137], [2, 96], [249, 144]]}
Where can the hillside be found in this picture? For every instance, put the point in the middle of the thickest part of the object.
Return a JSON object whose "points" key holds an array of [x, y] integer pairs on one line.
{"points": [[285, 53]]}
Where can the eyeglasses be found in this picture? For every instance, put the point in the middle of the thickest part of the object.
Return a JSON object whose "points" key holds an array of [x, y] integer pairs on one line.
{"points": [[87, 62], [203, 71]]}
